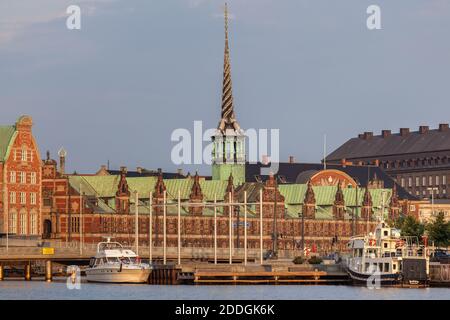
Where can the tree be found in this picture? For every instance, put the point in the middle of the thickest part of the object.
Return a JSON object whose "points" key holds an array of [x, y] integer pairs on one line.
{"points": [[409, 226], [439, 231], [412, 227]]}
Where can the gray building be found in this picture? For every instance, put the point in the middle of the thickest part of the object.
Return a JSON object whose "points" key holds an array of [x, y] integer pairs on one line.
{"points": [[418, 160]]}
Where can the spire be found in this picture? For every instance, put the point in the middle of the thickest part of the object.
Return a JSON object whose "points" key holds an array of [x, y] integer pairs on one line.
{"points": [[309, 195], [228, 118]]}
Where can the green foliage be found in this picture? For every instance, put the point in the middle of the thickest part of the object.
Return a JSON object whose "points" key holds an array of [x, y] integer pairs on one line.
{"points": [[298, 260], [315, 260], [409, 226], [439, 231]]}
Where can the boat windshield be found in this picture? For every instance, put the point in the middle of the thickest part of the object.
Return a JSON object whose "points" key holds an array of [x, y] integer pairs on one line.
{"points": [[128, 260]]}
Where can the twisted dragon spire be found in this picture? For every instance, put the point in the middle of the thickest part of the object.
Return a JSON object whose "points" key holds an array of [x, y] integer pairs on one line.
{"points": [[228, 118]]}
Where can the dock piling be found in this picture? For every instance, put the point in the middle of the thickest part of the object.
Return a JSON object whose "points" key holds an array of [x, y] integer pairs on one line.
{"points": [[48, 270], [1, 272], [28, 271]]}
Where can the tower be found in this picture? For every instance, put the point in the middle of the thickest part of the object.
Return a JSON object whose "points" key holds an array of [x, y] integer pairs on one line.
{"points": [[228, 155]]}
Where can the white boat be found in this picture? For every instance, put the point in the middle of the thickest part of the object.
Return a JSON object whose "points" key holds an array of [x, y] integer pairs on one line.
{"points": [[115, 264], [387, 258]]}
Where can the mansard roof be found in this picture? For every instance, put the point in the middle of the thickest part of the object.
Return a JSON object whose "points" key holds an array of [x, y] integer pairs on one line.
{"points": [[369, 146]]}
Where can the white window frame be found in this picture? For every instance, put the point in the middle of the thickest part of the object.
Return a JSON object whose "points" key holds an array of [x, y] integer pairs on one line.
{"points": [[12, 177], [33, 197], [23, 198], [12, 222], [24, 155], [23, 222], [12, 197], [33, 176], [33, 223]]}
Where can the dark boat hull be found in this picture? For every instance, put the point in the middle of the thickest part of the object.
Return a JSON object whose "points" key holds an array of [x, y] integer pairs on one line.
{"points": [[385, 279]]}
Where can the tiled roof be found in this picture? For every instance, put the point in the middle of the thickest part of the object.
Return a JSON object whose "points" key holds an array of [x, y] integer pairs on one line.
{"points": [[393, 144]]}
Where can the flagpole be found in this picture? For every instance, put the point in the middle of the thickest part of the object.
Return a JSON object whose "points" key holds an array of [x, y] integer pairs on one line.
{"points": [[164, 227], [136, 222], [150, 224], [80, 224], [179, 227]]}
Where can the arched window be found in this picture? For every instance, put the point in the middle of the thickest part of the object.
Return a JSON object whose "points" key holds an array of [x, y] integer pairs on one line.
{"points": [[23, 221], [12, 221], [33, 222]]}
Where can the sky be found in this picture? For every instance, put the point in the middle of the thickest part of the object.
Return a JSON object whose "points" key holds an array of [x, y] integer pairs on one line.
{"points": [[140, 69]]}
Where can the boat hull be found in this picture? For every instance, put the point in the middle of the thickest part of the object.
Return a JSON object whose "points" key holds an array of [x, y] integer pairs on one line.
{"points": [[385, 279], [115, 275]]}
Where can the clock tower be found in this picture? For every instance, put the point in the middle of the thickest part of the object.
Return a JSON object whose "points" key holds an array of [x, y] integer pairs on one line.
{"points": [[228, 155]]}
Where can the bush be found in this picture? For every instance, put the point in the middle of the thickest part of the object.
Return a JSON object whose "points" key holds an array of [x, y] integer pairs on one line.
{"points": [[315, 260], [298, 260]]}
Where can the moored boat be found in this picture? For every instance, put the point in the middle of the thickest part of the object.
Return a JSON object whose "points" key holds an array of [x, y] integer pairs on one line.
{"points": [[387, 258], [115, 264]]}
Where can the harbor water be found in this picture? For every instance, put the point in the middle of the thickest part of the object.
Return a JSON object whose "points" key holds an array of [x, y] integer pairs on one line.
{"points": [[58, 290]]}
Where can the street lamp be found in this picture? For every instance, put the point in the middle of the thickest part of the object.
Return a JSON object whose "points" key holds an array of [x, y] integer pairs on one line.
{"points": [[432, 189]]}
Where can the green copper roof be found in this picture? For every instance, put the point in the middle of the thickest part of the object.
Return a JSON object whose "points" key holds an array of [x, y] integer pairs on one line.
{"points": [[295, 193], [106, 186], [6, 134]]}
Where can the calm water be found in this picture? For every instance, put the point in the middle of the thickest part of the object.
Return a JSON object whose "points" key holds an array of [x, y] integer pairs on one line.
{"points": [[57, 290]]}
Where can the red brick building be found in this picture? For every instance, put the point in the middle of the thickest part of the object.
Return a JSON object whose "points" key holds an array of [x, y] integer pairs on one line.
{"points": [[20, 180]]}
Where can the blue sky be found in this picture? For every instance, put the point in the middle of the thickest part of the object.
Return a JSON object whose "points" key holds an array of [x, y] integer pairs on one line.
{"points": [[138, 69]]}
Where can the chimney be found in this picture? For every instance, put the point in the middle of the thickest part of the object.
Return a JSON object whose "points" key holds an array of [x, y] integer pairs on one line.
{"points": [[343, 162], [291, 159], [265, 159], [360, 136], [368, 135], [404, 132], [62, 161], [385, 133], [423, 129], [123, 169], [180, 171], [443, 127], [139, 170]]}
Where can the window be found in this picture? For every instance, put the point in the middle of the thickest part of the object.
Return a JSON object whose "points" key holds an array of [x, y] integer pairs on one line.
{"points": [[409, 182], [33, 223], [74, 225], [444, 180], [417, 181], [23, 222], [23, 177], [424, 181], [430, 181], [403, 182], [437, 180], [33, 177], [23, 198], [24, 154], [33, 198], [13, 221], [12, 177], [12, 197]]}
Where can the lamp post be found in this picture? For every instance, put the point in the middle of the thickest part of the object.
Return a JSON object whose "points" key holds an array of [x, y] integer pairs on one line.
{"points": [[432, 189]]}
